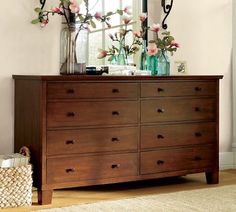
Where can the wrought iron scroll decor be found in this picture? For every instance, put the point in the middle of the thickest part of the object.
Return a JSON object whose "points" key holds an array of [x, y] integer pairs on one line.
{"points": [[42, 2], [166, 8]]}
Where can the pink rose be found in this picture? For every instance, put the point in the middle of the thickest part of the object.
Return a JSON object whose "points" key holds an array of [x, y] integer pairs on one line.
{"points": [[98, 15], [152, 48], [155, 28], [44, 23], [143, 17], [102, 53], [127, 10], [57, 10], [174, 44], [74, 6], [126, 20]]}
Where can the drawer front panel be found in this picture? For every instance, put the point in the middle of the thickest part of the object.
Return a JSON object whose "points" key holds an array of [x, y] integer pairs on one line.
{"points": [[177, 159], [92, 167], [92, 140], [91, 113], [177, 134], [91, 90], [160, 110], [159, 89]]}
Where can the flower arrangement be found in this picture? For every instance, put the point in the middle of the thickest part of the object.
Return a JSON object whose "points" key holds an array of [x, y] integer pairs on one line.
{"points": [[120, 47], [166, 41], [71, 11]]}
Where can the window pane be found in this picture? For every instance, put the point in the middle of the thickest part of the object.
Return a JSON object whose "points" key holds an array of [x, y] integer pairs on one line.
{"points": [[112, 6], [95, 43]]}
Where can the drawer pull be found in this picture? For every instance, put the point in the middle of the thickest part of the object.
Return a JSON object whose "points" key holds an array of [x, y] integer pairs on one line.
{"points": [[198, 89], [70, 142], [197, 158], [160, 110], [197, 109], [70, 91], [198, 134], [115, 90], [115, 166], [160, 136], [160, 90], [115, 139], [70, 170], [70, 114], [115, 113], [160, 162]]}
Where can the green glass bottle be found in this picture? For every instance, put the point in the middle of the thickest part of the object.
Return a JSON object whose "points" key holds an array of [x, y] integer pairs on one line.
{"points": [[152, 64]]}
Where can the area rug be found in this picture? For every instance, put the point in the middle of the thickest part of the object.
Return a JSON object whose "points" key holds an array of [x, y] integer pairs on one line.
{"points": [[218, 199]]}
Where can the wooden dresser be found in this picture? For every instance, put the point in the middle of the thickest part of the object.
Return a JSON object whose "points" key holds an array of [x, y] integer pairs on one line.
{"points": [[88, 130]]}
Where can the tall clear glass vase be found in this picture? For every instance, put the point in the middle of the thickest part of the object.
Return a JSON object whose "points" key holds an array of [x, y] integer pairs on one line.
{"points": [[74, 41], [143, 56]]}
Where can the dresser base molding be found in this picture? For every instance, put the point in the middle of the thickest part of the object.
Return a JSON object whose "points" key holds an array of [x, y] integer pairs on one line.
{"points": [[93, 130]]}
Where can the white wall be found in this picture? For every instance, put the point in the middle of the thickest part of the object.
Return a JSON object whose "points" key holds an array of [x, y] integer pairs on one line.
{"points": [[204, 31], [24, 49], [203, 28]]}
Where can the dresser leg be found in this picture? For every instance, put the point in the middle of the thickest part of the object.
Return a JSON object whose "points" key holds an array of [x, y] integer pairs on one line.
{"points": [[45, 197], [212, 177]]}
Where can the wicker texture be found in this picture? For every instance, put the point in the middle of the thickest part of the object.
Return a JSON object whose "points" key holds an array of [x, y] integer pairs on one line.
{"points": [[15, 186]]}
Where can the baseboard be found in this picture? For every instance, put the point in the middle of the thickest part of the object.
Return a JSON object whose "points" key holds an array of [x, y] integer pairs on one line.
{"points": [[227, 160]]}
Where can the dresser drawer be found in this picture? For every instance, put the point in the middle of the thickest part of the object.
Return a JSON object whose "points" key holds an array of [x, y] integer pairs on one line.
{"points": [[64, 90], [172, 109], [178, 89], [64, 114], [177, 159], [92, 167], [177, 134], [92, 140]]}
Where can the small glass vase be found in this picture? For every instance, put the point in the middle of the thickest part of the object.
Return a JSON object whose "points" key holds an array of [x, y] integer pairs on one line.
{"points": [[74, 41], [143, 56], [163, 63], [152, 64]]}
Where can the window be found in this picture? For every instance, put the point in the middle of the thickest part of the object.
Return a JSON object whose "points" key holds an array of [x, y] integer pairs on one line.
{"points": [[99, 37]]}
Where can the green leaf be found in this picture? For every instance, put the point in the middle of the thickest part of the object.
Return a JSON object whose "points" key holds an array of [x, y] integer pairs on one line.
{"points": [[92, 23], [35, 21], [110, 58], [120, 12], [81, 18], [37, 10], [109, 13]]}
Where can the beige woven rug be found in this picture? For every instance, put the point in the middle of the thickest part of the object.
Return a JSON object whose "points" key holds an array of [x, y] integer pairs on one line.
{"points": [[219, 199]]}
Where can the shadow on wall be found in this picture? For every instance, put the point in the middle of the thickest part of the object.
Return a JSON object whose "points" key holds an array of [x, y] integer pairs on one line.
{"points": [[6, 114]]}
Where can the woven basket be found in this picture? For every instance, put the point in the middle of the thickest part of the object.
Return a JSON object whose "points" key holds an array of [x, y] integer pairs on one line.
{"points": [[15, 186]]}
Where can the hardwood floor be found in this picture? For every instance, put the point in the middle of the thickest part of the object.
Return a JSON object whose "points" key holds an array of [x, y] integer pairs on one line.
{"points": [[67, 197]]}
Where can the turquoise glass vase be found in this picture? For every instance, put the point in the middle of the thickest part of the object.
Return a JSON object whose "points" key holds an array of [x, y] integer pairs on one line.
{"points": [[152, 64], [163, 63]]}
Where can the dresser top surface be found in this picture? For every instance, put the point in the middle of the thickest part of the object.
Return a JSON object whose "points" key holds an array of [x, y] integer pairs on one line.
{"points": [[110, 78]]}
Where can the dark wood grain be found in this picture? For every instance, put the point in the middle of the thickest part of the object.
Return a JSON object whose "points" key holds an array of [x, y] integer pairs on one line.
{"points": [[91, 90], [176, 159], [171, 110], [177, 134], [90, 130], [91, 167], [198, 88], [92, 140]]}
